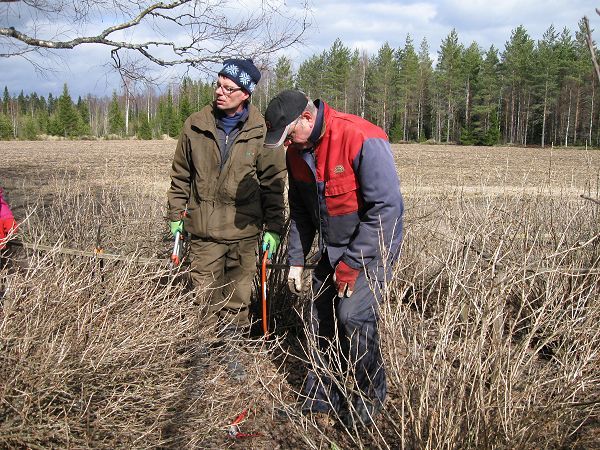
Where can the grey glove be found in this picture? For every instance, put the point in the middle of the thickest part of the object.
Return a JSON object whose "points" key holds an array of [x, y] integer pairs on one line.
{"points": [[294, 279]]}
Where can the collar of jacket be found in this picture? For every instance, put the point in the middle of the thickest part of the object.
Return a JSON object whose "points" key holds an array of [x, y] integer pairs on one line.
{"points": [[205, 120], [319, 128]]}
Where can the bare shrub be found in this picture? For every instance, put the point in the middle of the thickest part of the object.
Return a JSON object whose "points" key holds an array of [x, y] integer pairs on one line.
{"points": [[489, 328]]}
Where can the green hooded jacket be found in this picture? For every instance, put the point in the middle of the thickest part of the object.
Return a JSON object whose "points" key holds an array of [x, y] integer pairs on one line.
{"points": [[234, 203]]}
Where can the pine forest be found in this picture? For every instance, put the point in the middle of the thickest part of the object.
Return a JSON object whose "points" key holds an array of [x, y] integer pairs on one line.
{"points": [[529, 93]]}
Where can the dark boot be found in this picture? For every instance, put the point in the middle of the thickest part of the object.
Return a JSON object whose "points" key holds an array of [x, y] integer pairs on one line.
{"points": [[232, 337], [235, 368], [363, 414]]}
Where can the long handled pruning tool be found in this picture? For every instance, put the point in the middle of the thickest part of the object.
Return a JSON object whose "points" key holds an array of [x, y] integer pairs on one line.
{"points": [[263, 286], [263, 290]]}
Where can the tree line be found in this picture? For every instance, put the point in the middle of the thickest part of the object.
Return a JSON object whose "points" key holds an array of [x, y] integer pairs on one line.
{"points": [[530, 93]]}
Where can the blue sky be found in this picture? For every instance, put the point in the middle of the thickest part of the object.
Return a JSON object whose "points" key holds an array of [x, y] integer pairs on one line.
{"points": [[361, 24]]}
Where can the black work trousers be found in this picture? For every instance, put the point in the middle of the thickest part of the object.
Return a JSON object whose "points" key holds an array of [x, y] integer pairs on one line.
{"points": [[347, 362]]}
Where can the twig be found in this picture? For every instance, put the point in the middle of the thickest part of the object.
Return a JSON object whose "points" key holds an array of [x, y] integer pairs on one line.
{"points": [[590, 199], [75, 252], [101, 255]]}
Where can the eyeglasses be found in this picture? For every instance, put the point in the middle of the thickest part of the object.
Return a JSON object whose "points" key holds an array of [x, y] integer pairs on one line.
{"points": [[226, 90], [288, 137]]}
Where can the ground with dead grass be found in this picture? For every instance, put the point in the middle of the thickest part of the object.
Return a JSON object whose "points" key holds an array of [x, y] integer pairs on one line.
{"points": [[490, 326]]}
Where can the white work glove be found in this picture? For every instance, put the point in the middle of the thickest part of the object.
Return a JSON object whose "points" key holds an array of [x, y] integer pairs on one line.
{"points": [[295, 279]]}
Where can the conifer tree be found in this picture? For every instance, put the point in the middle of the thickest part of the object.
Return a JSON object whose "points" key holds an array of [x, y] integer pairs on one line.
{"points": [[517, 70], [284, 76], [166, 116], [588, 83], [406, 127], [65, 121], [144, 131], [357, 83], [116, 120], [185, 106], [336, 75], [449, 71], [383, 84], [84, 116], [570, 85], [471, 62], [5, 100], [311, 74], [6, 128], [21, 103], [51, 103], [29, 129], [424, 117], [486, 99], [545, 80]]}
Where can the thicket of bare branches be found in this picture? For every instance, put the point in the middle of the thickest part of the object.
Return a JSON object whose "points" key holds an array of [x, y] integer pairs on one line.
{"points": [[490, 331], [489, 327]]}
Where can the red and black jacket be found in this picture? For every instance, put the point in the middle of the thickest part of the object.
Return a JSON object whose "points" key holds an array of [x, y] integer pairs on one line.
{"points": [[346, 187]]}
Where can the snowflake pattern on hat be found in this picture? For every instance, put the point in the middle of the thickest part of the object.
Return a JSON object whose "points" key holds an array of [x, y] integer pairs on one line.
{"points": [[231, 69], [245, 78], [243, 72]]}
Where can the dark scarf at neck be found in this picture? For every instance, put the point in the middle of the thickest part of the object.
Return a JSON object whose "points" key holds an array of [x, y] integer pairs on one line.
{"points": [[229, 122]]}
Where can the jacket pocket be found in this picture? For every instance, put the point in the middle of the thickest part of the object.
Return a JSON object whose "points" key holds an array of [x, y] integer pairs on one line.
{"points": [[341, 195]]}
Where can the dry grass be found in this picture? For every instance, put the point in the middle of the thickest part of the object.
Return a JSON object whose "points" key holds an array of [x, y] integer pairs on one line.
{"points": [[490, 327]]}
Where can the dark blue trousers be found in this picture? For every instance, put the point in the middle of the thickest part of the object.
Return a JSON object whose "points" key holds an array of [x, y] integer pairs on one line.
{"points": [[344, 339]]}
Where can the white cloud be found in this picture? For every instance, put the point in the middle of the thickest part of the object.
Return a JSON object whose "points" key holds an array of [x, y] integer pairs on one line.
{"points": [[360, 24]]}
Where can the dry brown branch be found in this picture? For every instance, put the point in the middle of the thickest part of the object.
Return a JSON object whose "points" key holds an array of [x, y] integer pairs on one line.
{"points": [[590, 43], [175, 33], [595, 200]]}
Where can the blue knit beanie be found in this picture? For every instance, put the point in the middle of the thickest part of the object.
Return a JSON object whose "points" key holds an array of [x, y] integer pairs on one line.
{"points": [[242, 72]]}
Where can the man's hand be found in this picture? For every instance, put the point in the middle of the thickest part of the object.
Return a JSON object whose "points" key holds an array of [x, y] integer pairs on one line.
{"points": [[270, 242], [176, 226], [294, 279], [344, 279]]}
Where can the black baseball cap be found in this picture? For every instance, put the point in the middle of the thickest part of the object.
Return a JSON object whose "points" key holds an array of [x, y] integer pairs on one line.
{"points": [[281, 113]]}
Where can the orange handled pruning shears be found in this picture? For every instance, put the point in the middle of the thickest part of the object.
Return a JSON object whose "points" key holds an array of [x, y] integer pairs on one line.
{"points": [[263, 289], [234, 427]]}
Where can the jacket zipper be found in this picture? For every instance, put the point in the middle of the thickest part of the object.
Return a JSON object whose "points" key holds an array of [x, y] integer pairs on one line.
{"points": [[314, 174]]}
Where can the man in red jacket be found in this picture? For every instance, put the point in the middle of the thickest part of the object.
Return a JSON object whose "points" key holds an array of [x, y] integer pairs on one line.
{"points": [[343, 184]]}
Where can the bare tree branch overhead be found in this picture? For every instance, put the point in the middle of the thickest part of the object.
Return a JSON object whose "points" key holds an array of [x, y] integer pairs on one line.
{"points": [[590, 42], [192, 33]]}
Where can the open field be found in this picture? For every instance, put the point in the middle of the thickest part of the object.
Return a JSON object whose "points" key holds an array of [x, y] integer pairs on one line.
{"points": [[425, 167], [490, 327]]}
